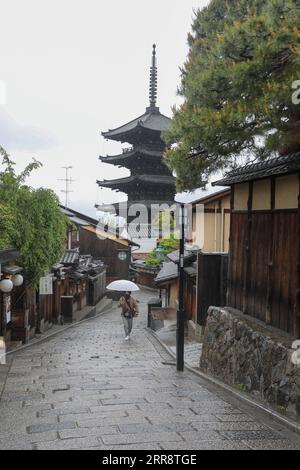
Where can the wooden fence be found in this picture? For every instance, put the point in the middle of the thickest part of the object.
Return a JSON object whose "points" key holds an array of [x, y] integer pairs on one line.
{"points": [[263, 267], [212, 283]]}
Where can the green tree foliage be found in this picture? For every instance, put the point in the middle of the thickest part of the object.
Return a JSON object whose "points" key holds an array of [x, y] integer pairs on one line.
{"points": [[168, 244], [30, 220], [244, 57], [7, 225]]}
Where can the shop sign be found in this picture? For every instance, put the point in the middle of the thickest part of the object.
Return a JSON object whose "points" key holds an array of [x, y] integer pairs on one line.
{"points": [[46, 285]]}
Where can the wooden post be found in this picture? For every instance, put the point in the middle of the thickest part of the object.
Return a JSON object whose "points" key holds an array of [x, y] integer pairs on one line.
{"points": [[2, 323], [297, 304], [181, 309], [246, 284], [270, 288], [229, 274]]}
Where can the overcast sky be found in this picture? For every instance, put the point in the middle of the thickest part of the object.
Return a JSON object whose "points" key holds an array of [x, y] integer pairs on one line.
{"points": [[74, 68]]}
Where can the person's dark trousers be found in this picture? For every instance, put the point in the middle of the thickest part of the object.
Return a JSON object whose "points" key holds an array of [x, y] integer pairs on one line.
{"points": [[127, 325]]}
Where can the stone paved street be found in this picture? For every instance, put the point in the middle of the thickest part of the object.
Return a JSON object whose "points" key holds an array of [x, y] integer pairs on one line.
{"points": [[87, 388]]}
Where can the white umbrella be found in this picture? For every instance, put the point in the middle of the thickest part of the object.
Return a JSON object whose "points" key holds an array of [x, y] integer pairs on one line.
{"points": [[123, 286]]}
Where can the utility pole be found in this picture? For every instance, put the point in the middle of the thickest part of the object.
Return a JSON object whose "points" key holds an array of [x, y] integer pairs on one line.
{"points": [[180, 312], [67, 181]]}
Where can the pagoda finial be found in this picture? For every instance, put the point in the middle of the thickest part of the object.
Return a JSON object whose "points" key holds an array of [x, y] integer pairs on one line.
{"points": [[153, 80]]}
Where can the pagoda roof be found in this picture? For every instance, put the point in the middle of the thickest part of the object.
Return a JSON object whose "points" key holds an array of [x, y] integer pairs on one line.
{"points": [[118, 207], [128, 154], [150, 122], [148, 126], [134, 179]]}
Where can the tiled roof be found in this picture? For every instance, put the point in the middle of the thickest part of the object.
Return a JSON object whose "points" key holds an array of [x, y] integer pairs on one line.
{"points": [[79, 221], [11, 269], [212, 197], [191, 270], [8, 254], [82, 218], [188, 256], [168, 272], [70, 257], [122, 207], [272, 167], [154, 179], [78, 266], [87, 223], [129, 154], [151, 121]]}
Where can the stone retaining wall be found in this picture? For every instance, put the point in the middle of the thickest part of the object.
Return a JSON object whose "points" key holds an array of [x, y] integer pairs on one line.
{"points": [[253, 358]]}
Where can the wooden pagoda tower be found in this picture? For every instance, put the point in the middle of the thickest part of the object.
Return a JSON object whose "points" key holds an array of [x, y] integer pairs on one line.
{"points": [[151, 181]]}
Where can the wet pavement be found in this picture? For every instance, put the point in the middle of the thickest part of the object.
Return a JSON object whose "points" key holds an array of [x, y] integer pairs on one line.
{"points": [[87, 388]]}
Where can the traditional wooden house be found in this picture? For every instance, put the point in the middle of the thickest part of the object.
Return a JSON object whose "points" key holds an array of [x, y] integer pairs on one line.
{"points": [[143, 274], [264, 264], [167, 281], [17, 301], [204, 261], [78, 281], [91, 238], [210, 234], [25, 310]]}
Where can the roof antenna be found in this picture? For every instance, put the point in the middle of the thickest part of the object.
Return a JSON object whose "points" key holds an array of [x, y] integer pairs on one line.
{"points": [[67, 181], [153, 81]]}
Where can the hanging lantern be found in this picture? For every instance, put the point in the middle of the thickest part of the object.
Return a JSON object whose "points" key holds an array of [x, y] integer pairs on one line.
{"points": [[17, 280], [6, 285], [160, 253]]}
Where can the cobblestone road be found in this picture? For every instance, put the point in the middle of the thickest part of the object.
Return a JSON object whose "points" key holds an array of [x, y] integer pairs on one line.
{"points": [[88, 388]]}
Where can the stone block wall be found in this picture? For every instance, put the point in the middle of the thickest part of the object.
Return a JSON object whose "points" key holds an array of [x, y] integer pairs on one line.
{"points": [[253, 358]]}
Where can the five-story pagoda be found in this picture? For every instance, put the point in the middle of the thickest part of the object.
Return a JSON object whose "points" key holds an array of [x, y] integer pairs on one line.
{"points": [[150, 182]]}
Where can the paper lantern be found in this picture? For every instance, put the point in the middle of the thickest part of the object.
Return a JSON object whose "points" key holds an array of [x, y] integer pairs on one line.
{"points": [[6, 285], [17, 280]]}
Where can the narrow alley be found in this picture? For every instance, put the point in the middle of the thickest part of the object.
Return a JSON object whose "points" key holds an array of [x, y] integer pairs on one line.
{"points": [[86, 388]]}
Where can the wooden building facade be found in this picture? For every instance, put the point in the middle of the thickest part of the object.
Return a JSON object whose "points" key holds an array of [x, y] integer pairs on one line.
{"points": [[264, 263], [205, 259], [90, 238], [11, 322], [210, 237], [211, 233]]}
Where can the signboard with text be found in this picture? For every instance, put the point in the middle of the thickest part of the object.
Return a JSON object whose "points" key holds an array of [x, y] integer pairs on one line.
{"points": [[46, 285]]}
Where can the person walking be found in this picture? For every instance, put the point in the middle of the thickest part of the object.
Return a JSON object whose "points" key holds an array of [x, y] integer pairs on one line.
{"points": [[130, 309]]}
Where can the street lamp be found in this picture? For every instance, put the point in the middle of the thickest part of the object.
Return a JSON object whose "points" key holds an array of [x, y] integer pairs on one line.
{"points": [[180, 312], [160, 253]]}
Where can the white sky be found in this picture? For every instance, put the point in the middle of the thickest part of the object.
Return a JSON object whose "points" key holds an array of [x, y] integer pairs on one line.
{"points": [[74, 68]]}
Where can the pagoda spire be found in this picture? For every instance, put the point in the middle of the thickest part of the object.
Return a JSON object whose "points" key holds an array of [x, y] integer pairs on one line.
{"points": [[153, 82]]}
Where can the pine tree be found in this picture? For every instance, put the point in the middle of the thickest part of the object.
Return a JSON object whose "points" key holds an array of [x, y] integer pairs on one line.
{"points": [[243, 60]]}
